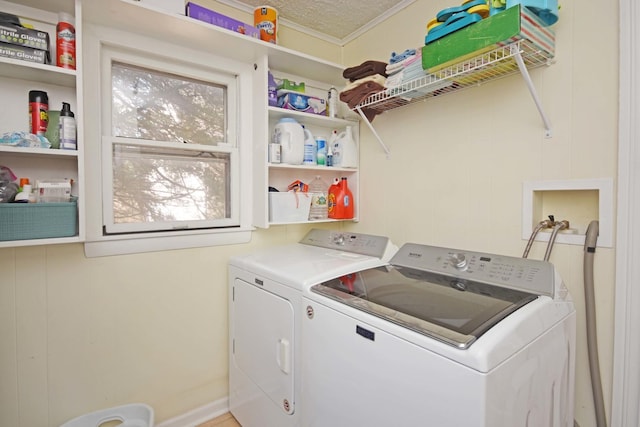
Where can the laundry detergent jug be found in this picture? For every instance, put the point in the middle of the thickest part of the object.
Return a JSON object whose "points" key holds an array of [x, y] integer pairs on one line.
{"points": [[340, 204], [345, 150], [290, 135]]}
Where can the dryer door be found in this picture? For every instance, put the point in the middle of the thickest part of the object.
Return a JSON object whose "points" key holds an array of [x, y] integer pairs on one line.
{"points": [[263, 341]]}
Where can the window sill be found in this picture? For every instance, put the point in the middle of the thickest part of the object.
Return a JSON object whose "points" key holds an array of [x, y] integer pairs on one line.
{"points": [[131, 244]]}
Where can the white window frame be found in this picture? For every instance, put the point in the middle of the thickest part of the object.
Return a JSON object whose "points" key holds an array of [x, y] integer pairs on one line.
{"points": [[148, 53], [110, 55], [112, 227]]}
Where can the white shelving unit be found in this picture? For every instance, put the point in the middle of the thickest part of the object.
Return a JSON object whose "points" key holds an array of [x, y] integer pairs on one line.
{"points": [[16, 79], [142, 18], [280, 175], [501, 62]]}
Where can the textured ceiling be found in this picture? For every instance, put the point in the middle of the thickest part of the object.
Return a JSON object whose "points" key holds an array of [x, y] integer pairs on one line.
{"points": [[335, 20]]}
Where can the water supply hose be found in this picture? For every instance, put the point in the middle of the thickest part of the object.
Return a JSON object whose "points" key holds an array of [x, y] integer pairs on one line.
{"points": [[542, 224], [592, 339], [556, 228]]}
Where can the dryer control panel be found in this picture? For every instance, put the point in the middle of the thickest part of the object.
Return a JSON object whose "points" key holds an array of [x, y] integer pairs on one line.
{"points": [[518, 273], [363, 244]]}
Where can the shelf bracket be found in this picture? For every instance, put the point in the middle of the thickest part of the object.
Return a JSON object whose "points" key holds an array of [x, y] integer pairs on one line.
{"points": [[534, 94], [372, 129]]}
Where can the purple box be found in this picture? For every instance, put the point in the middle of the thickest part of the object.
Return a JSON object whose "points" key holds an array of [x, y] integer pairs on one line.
{"points": [[207, 15]]}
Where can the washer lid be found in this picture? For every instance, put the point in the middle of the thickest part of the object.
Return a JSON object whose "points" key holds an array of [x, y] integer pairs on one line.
{"points": [[452, 310]]}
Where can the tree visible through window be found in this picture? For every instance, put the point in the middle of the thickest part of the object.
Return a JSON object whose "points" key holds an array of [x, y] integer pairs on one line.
{"points": [[167, 167]]}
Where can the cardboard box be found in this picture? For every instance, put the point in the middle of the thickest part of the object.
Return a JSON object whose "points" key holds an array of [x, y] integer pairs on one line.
{"points": [[303, 103], [206, 15], [290, 85], [513, 24], [290, 206], [53, 191], [26, 37], [24, 53]]}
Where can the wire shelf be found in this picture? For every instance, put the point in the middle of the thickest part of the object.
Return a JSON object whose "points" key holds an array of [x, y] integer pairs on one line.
{"points": [[492, 65]]}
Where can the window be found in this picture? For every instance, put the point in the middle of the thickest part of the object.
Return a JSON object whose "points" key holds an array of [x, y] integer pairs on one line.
{"points": [[167, 156], [170, 158]]}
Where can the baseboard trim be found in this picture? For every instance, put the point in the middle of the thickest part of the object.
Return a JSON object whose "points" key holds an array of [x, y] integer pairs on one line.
{"points": [[199, 415]]}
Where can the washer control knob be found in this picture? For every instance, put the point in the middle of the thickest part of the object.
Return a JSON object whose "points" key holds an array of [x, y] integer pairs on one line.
{"points": [[458, 261], [339, 239]]}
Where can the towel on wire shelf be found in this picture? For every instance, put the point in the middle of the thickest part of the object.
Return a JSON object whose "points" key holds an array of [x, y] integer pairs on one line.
{"points": [[367, 68], [360, 90], [394, 68]]}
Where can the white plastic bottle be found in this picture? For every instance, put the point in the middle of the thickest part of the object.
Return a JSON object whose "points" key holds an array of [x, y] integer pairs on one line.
{"points": [[67, 125], [310, 148], [330, 145], [319, 199], [321, 152], [336, 148], [347, 150]]}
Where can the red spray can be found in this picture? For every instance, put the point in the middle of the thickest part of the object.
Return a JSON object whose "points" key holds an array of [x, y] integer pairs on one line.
{"points": [[66, 41], [340, 204], [38, 111]]}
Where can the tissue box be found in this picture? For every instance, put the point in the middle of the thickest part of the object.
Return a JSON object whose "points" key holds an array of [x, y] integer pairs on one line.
{"points": [[26, 37], [303, 103], [292, 206], [24, 53], [206, 15], [513, 24]]}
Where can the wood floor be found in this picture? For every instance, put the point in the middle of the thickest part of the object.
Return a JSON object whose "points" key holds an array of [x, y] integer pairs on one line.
{"points": [[225, 420]]}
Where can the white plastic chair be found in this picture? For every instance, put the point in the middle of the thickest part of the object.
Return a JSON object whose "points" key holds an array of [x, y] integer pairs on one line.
{"points": [[132, 415]]}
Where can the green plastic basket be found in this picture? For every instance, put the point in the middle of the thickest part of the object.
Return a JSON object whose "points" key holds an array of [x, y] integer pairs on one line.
{"points": [[24, 221]]}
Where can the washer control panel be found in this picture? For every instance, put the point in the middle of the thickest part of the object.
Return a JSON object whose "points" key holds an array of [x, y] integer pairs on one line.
{"points": [[518, 273], [363, 244]]}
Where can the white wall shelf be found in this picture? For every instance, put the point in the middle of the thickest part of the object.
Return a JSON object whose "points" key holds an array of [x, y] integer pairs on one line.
{"points": [[17, 77]]}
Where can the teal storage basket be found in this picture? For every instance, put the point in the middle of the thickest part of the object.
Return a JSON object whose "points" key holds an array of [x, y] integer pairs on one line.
{"points": [[25, 221]]}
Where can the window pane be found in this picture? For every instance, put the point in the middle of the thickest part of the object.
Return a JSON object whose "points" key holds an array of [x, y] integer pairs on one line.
{"points": [[152, 105], [166, 185]]}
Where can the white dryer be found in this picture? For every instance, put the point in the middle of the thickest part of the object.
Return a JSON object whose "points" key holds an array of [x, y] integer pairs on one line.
{"points": [[266, 314], [443, 338]]}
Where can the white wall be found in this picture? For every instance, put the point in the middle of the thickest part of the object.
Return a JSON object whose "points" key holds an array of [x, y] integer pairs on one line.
{"points": [[458, 162], [82, 334]]}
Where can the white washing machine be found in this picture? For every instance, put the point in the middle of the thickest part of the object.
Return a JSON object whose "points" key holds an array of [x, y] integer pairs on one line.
{"points": [[266, 314], [442, 338]]}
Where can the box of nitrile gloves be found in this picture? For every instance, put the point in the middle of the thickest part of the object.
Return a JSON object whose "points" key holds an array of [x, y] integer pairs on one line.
{"points": [[207, 15], [27, 37], [24, 53]]}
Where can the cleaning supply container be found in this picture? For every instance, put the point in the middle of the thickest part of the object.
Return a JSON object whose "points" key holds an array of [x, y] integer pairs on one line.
{"points": [[345, 150], [290, 135], [310, 148], [131, 415], [340, 204], [265, 18]]}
